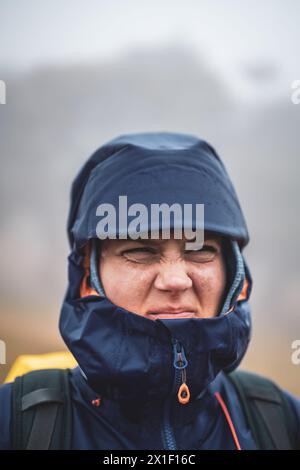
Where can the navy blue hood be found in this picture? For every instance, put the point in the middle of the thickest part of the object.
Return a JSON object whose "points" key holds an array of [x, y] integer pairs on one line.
{"points": [[120, 353], [155, 168]]}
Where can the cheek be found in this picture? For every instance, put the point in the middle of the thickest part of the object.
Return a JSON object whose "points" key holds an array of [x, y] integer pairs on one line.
{"points": [[122, 280], [210, 280]]}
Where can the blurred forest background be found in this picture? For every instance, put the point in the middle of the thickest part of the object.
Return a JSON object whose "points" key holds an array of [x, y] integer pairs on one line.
{"points": [[59, 111]]}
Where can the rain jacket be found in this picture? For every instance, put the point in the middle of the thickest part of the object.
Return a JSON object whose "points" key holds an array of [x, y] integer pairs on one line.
{"points": [[125, 391]]}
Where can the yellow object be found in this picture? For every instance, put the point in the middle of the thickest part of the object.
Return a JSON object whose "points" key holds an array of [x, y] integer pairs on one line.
{"points": [[28, 362]]}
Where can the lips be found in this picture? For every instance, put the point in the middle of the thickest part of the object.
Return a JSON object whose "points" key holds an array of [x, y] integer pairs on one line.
{"points": [[170, 315]]}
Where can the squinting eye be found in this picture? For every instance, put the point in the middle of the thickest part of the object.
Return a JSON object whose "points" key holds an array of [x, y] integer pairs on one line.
{"points": [[140, 255], [207, 253]]}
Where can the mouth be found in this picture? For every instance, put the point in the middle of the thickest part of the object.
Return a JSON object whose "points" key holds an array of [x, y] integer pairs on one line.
{"points": [[170, 315]]}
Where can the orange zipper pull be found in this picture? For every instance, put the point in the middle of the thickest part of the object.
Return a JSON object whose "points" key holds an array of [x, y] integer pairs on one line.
{"points": [[184, 394]]}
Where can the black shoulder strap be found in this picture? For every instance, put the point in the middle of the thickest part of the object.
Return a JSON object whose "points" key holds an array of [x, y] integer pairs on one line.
{"points": [[267, 411], [41, 410]]}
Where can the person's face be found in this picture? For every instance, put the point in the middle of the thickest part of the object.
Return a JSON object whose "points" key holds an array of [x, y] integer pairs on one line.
{"points": [[160, 279]]}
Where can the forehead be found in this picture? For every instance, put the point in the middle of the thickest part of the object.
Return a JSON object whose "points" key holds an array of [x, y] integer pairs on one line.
{"points": [[160, 240]]}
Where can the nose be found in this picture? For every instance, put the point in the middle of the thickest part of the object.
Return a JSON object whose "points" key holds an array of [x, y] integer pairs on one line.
{"points": [[172, 277]]}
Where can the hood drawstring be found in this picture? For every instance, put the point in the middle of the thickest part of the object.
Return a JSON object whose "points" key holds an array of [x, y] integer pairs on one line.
{"points": [[229, 420]]}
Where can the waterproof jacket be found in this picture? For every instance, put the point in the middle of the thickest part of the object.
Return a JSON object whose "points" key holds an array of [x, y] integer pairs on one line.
{"points": [[125, 390]]}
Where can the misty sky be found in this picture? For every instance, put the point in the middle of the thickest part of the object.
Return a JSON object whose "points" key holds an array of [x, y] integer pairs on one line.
{"points": [[249, 42]]}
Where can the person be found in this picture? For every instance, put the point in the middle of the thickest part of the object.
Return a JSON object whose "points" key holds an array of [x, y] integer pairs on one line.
{"points": [[158, 327]]}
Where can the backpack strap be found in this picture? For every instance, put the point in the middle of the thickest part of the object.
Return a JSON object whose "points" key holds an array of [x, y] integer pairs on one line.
{"points": [[41, 410], [267, 410]]}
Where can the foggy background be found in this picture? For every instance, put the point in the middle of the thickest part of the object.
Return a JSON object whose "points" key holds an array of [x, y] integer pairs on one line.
{"points": [[80, 73]]}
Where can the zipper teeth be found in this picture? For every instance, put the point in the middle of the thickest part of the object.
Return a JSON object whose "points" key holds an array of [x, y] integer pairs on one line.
{"points": [[177, 380], [168, 433]]}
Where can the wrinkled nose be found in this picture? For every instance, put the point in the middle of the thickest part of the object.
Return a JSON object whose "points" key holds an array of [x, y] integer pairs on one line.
{"points": [[173, 277]]}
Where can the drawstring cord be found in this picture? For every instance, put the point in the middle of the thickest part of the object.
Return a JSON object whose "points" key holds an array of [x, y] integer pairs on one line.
{"points": [[229, 420]]}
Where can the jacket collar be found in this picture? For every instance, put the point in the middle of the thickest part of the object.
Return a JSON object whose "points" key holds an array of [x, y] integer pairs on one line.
{"points": [[130, 359]]}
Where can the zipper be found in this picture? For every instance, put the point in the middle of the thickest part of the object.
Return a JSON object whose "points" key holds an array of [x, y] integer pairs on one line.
{"points": [[180, 363], [180, 387]]}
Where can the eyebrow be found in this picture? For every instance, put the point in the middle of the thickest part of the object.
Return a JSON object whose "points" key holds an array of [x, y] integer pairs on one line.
{"points": [[146, 241], [159, 242]]}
